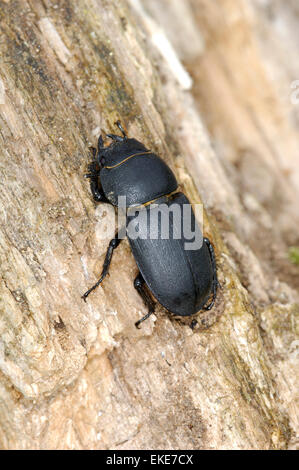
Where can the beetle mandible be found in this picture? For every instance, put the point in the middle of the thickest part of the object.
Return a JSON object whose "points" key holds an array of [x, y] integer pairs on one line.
{"points": [[180, 279]]}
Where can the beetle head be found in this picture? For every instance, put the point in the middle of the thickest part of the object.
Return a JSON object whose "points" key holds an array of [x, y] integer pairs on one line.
{"points": [[117, 152], [119, 149]]}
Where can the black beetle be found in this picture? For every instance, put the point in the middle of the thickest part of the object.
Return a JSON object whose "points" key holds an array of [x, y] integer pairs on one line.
{"points": [[181, 280]]}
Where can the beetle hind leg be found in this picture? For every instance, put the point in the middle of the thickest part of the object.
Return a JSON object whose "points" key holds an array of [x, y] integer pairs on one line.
{"points": [[214, 268], [139, 285]]}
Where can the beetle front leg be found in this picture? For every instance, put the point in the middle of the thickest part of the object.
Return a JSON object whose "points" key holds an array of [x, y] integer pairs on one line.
{"points": [[215, 279], [112, 245], [139, 285], [96, 191], [94, 171]]}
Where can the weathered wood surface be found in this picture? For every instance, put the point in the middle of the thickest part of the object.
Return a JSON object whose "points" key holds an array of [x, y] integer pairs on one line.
{"points": [[75, 375]]}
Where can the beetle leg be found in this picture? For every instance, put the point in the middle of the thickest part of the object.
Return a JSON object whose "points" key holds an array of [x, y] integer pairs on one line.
{"points": [[97, 192], [139, 285], [112, 245], [93, 151], [215, 279], [93, 166]]}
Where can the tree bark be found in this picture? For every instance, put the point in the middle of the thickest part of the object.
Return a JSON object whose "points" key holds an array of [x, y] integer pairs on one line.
{"points": [[80, 376]]}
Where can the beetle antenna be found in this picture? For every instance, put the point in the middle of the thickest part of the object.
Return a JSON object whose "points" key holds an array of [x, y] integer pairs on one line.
{"points": [[118, 124]]}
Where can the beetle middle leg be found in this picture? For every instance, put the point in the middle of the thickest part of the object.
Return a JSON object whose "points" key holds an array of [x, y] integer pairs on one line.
{"points": [[139, 285], [93, 168], [112, 245], [215, 279]]}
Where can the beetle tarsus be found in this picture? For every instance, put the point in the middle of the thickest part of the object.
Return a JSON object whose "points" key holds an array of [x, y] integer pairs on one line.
{"points": [[112, 245], [137, 324], [211, 304], [139, 285]]}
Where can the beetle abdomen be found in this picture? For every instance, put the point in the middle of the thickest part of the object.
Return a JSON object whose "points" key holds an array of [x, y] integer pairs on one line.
{"points": [[141, 179], [180, 279]]}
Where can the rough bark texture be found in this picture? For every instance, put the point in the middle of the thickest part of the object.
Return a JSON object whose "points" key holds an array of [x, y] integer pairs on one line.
{"points": [[80, 376]]}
